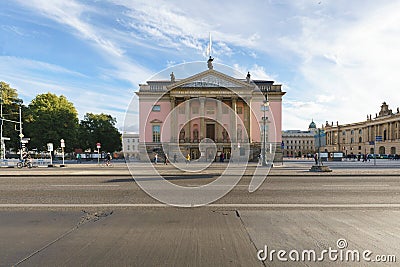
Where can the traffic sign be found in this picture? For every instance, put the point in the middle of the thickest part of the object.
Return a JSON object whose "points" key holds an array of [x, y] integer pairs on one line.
{"points": [[98, 145], [283, 145], [378, 138], [372, 142], [21, 135], [62, 143], [50, 147]]}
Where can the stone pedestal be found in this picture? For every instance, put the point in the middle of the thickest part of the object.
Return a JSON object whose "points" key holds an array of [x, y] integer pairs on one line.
{"points": [[320, 168]]}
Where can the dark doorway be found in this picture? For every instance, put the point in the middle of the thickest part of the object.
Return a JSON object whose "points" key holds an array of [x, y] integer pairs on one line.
{"points": [[210, 131], [194, 153], [227, 152]]}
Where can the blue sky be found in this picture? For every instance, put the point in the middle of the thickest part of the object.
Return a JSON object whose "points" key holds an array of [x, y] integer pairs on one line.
{"points": [[337, 60]]}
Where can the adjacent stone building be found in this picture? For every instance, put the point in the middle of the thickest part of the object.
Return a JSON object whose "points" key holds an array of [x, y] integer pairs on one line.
{"points": [[358, 138], [130, 145], [297, 143]]}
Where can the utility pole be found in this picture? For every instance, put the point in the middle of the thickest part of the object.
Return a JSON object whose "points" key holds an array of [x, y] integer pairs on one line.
{"points": [[21, 135], [1, 128]]}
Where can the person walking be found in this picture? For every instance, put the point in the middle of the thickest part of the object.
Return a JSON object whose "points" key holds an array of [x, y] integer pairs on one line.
{"points": [[156, 159], [188, 158]]}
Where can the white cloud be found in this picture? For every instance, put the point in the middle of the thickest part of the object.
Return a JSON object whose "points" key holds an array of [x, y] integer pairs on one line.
{"points": [[338, 60]]}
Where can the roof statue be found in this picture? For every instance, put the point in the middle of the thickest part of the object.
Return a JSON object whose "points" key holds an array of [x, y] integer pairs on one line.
{"points": [[172, 77], [209, 63], [248, 77]]}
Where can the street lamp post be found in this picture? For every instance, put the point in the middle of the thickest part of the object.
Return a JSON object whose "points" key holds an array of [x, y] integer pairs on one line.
{"points": [[263, 152], [1, 127], [319, 145], [62, 148]]}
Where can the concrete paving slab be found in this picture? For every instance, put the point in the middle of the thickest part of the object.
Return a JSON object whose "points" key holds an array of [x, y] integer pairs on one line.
{"points": [[158, 237], [22, 233], [377, 231]]}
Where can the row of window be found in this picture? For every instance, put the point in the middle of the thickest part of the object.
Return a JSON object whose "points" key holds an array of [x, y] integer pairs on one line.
{"points": [[299, 147], [128, 147], [359, 131], [128, 140], [299, 141]]}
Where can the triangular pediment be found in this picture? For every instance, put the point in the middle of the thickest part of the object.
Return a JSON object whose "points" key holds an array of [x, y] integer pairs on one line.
{"points": [[210, 78], [156, 121]]}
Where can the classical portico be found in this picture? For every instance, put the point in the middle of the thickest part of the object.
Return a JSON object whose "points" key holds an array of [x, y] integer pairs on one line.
{"points": [[210, 106]]}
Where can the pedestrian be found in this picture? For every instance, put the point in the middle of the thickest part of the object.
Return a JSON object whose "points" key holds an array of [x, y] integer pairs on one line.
{"points": [[78, 158], [174, 158], [316, 158], [156, 159], [166, 159], [188, 158]]}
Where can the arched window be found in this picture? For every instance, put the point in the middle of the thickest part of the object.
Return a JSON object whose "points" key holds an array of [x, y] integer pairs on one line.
{"points": [[360, 139], [195, 135], [381, 150], [182, 134]]}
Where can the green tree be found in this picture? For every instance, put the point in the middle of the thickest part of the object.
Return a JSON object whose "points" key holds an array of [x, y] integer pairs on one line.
{"points": [[51, 118], [99, 128], [10, 110]]}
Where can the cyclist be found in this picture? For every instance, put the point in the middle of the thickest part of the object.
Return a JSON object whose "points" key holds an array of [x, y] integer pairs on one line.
{"points": [[108, 159]]}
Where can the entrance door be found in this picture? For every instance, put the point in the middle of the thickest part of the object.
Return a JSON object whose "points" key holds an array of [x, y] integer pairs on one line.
{"points": [[227, 152], [210, 131], [194, 153]]}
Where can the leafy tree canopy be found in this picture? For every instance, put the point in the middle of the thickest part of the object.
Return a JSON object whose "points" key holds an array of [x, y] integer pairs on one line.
{"points": [[51, 118], [11, 102], [99, 128]]}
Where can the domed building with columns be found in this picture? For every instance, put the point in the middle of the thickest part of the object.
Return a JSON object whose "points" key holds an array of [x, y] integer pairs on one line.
{"points": [[297, 143], [178, 115]]}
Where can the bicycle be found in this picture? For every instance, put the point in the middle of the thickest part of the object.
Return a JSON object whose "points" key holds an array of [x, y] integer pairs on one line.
{"points": [[107, 163], [24, 163]]}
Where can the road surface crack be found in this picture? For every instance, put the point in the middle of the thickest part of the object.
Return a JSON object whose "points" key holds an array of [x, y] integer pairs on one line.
{"points": [[85, 218]]}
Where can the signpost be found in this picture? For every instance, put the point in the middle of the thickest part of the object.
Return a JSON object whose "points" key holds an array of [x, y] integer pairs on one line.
{"points": [[50, 149], [62, 148], [98, 145], [378, 138]]}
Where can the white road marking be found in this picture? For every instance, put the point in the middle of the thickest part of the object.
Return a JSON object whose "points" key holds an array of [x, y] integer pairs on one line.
{"points": [[228, 205], [354, 185], [83, 185]]}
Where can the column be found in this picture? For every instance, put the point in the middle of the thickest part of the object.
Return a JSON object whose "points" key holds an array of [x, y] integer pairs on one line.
{"points": [[202, 132], [187, 114], [233, 123], [173, 119], [218, 127], [246, 113]]}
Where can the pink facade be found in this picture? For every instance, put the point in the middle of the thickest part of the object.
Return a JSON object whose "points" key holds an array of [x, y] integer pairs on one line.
{"points": [[209, 105]]}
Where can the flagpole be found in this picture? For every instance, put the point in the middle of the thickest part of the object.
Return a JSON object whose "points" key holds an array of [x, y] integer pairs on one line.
{"points": [[209, 47]]}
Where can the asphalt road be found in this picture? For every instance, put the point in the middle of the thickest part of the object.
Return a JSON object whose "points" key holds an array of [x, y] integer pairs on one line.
{"points": [[82, 216]]}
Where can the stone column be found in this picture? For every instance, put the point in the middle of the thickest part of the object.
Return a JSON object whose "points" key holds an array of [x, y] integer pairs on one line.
{"points": [[173, 119], [188, 136], [233, 122], [218, 127], [202, 132], [247, 114]]}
